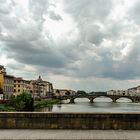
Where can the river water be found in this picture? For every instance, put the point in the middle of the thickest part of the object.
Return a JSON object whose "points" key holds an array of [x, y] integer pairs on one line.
{"points": [[100, 105]]}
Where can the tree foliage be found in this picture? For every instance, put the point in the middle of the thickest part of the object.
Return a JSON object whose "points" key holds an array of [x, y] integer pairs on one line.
{"points": [[81, 92], [22, 102]]}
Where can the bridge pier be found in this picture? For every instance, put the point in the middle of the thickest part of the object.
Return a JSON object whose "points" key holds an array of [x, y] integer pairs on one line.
{"points": [[135, 100], [114, 100], [72, 100], [91, 100]]}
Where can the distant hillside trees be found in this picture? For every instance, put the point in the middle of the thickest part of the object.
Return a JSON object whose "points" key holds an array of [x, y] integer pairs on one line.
{"points": [[81, 92]]}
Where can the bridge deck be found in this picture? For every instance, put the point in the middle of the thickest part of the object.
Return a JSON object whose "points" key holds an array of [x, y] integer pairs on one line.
{"points": [[39, 134]]}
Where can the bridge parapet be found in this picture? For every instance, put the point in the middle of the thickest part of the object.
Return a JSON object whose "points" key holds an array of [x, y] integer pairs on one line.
{"points": [[114, 98]]}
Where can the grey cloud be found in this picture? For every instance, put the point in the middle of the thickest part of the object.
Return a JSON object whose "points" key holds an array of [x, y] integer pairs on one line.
{"points": [[92, 34], [54, 16], [27, 53], [134, 12], [125, 69], [6, 6], [88, 8], [38, 8], [85, 55], [88, 14]]}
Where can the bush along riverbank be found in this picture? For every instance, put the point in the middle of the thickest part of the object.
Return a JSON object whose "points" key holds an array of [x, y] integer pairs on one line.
{"points": [[6, 108], [25, 102], [45, 103]]}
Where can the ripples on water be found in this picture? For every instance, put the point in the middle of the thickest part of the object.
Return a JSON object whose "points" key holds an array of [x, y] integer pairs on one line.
{"points": [[99, 105]]}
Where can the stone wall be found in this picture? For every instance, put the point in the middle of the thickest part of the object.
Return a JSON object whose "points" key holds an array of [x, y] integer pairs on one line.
{"points": [[97, 121]]}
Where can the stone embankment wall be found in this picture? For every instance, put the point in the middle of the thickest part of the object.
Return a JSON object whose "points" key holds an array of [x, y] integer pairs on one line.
{"points": [[102, 121]]}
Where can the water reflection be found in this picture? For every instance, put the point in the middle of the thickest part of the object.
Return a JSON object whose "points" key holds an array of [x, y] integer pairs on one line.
{"points": [[45, 109], [99, 105], [102, 99]]}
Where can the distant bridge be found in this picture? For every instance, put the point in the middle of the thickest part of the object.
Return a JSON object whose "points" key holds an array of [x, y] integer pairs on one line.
{"points": [[134, 99]]}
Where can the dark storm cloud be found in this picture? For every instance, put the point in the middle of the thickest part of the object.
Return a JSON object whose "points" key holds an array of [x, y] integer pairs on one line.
{"points": [[27, 53]]}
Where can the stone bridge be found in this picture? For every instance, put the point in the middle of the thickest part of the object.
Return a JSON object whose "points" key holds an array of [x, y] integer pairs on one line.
{"points": [[134, 99]]}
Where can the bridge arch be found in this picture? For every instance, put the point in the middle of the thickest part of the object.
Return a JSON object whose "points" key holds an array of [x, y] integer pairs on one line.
{"points": [[98, 96]]}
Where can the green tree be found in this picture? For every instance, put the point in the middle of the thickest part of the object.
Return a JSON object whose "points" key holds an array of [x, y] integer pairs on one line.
{"points": [[81, 92], [22, 102]]}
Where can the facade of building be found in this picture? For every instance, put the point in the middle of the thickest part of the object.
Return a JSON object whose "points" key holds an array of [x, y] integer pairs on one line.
{"points": [[10, 85], [38, 88], [20, 85], [63, 92], [135, 91], [8, 88], [42, 89], [1, 85], [2, 72], [6, 84]]}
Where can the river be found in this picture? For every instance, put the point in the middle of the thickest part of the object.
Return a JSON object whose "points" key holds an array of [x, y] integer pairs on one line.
{"points": [[100, 105]]}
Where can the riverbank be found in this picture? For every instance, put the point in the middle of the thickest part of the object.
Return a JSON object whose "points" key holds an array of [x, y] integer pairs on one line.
{"points": [[45, 103], [5, 107], [37, 105]]}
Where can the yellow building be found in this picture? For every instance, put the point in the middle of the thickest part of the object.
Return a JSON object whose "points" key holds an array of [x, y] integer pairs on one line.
{"points": [[2, 72], [20, 85], [1, 80], [1, 86]]}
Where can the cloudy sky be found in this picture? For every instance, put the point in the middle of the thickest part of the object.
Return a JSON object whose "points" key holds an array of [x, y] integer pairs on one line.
{"points": [[92, 45]]}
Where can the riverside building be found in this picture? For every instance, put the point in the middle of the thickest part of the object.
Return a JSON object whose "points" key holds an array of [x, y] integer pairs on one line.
{"points": [[41, 88], [6, 84], [38, 88], [135, 91], [64, 92], [21, 85]]}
